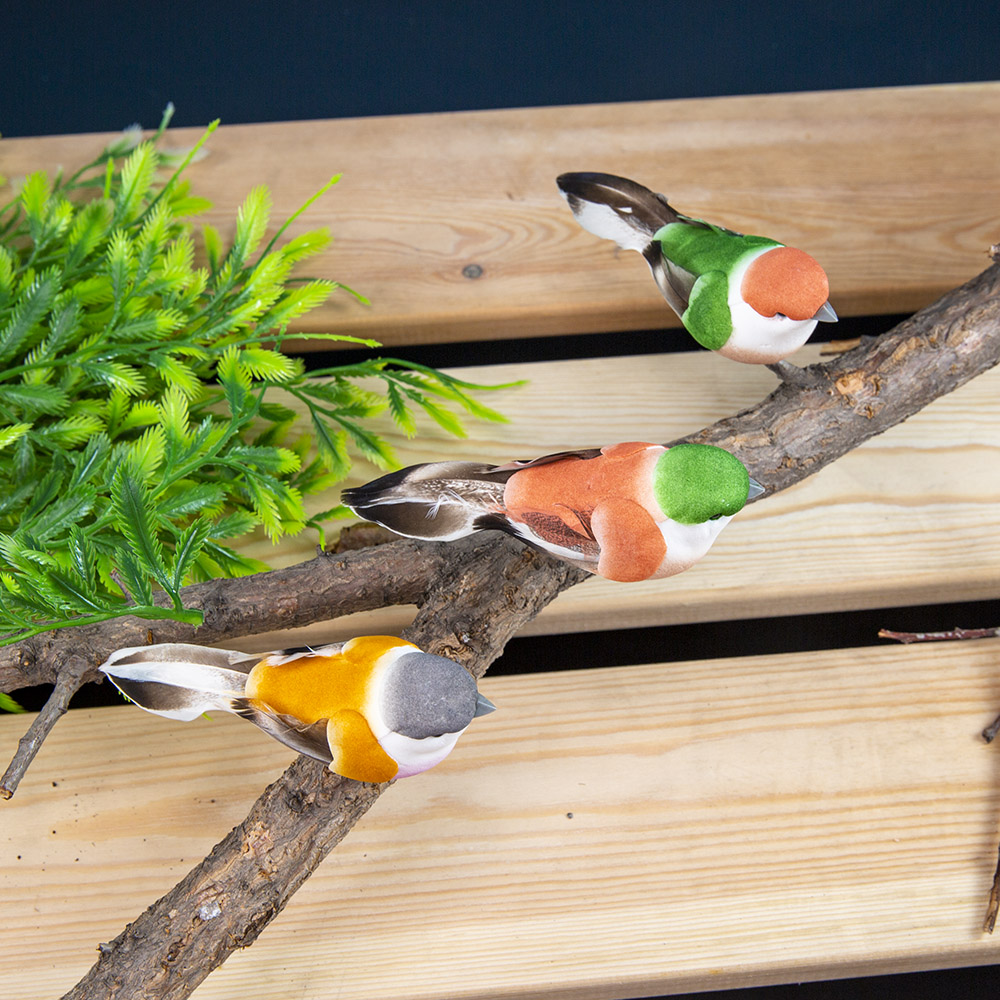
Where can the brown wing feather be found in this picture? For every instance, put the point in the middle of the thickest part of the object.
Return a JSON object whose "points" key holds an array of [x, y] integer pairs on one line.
{"points": [[310, 740]]}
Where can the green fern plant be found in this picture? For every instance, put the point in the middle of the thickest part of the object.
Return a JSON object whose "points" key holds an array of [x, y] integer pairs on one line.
{"points": [[139, 429]]}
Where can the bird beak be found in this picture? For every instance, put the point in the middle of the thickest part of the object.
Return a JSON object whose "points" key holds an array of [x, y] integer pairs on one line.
{"points": [[483, 706], [825, 314], [756, 490]]}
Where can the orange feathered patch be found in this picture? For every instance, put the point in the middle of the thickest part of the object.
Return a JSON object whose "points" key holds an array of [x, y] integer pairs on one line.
{"points": [[573, 486], [632, 545], [312, 686], [356, 752], [787, 281]]}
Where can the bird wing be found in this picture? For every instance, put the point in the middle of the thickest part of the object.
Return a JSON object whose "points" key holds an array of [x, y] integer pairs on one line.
{"points": [[310, 740], [518, 464]]}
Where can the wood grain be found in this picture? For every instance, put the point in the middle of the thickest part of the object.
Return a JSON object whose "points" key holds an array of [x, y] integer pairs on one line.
{"points": [[893, 190], [910, 517], [615, 832]]}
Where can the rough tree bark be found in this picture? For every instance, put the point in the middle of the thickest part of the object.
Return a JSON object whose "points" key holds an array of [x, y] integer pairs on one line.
{"points": [[472, 597]]}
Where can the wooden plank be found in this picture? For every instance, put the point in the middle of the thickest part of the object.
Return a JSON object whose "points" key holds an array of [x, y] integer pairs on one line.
{"points": [[608, 833], [893, 190], [911, 517]]}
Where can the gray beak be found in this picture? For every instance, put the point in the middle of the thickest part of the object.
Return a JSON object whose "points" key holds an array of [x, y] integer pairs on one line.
{"points": [[483, 706], [825, 314], [756, 490]]}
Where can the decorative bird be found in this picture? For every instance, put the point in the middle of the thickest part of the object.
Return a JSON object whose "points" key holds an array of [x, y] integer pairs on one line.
{"points": [[747, 297], [373, 708], [632, 511]]}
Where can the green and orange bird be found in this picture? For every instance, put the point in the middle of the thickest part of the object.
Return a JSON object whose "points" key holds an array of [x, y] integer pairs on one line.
{"points": [[628, 512], [749, 298], [373, 708]]}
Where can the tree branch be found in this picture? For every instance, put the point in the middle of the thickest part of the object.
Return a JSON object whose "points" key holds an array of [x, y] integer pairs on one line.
{"points": [[331, 585], [69, 681], [225, 902], [478, 593]]}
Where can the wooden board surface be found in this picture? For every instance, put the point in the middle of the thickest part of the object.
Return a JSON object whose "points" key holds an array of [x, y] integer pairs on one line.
{"points": [[895, 191], [911, 517], [607, 833]]}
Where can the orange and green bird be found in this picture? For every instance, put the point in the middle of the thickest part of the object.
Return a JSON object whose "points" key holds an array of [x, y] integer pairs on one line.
{"points": [[749, 298], [630, 511]]}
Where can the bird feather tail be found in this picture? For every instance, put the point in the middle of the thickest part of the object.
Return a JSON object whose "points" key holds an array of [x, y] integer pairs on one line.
{"points": [[438, 501], [180, 680], [616, 208]]}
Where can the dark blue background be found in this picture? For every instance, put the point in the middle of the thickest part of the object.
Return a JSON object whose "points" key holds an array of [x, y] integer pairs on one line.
{"points": [[101, 66]]}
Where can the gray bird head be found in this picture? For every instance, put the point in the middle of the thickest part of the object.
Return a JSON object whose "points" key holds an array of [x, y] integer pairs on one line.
{"points": [[425, 695]]}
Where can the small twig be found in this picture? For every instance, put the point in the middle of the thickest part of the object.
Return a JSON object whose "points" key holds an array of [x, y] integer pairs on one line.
{"points": [[69, 681], [990, 732], [802, 378], [950, 634], [993, 907]]}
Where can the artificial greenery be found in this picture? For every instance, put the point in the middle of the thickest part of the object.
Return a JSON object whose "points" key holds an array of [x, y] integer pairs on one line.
{"points": [[139, 429]]}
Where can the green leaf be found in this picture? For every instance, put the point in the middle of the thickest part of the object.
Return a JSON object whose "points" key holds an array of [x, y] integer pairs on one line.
{"points": [[35, 194], [136, 181], [145, 456], [82, 556], [400, 414], [141, 414], [192, 499], [271, 365], [174, 415], [299, 302], [31, 309], [134, 578], [89, 229], [306, 245], [75, 595], [444, 418], [7, 704], [234, 524], [45, 491], [11, 433], [251, 222], [374, 448], [213, 246], [187, 549], [332, 447], [175, 372], [230, 563], [138, 522], [90, 462], [64, 325], [59, 517], [120, 264], [279, 461], [234, 378], [116, 375]]}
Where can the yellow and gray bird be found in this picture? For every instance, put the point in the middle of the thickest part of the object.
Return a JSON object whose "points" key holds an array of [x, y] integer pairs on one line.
{"points": [[373, 708]]}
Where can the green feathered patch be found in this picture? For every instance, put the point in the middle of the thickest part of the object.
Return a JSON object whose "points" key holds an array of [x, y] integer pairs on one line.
{"points": [[694, 483], [707, 317]]}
